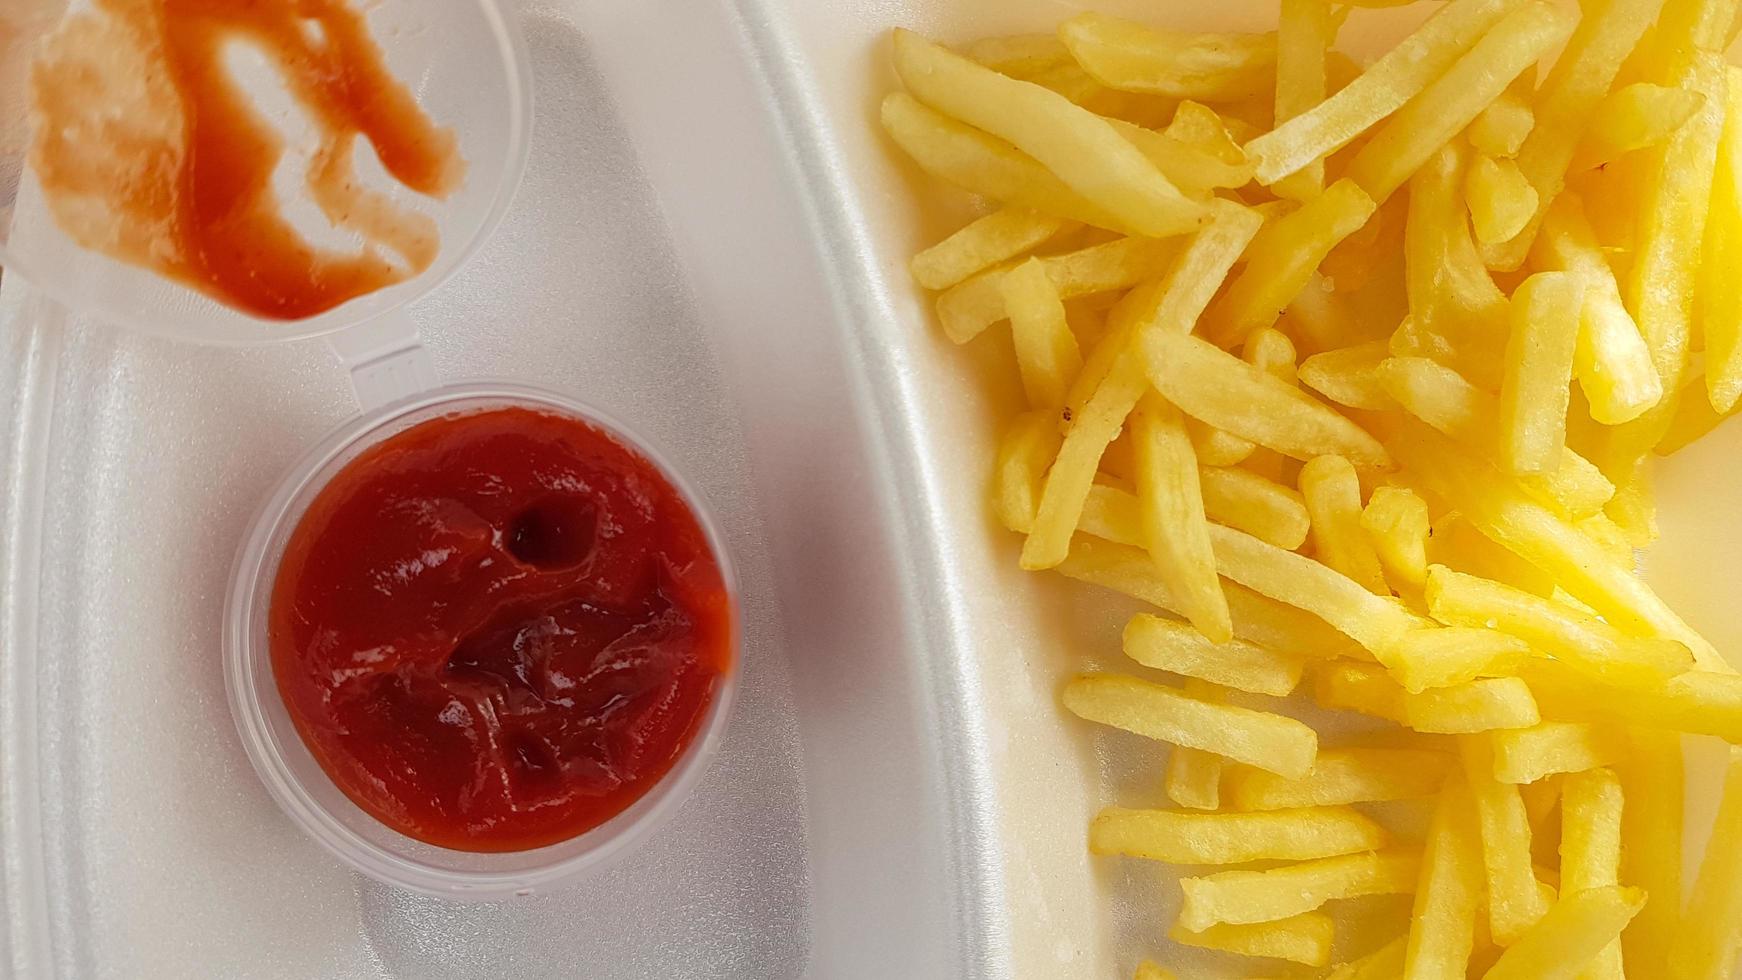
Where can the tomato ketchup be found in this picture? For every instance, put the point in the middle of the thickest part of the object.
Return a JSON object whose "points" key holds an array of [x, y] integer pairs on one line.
{"points": [[496, 630]]}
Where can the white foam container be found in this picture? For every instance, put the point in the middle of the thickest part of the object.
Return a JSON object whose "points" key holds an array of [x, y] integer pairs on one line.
{"points": [[709, 244]]}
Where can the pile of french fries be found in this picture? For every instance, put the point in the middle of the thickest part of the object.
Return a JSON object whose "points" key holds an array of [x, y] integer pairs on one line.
{"points": [[1355, 372]]}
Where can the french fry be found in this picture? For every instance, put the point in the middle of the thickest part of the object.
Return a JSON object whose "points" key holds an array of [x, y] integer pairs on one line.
{"points": [[1174, 303], [1305, 938], [1256, 618], [1501, 200], [1249, 897], [970, 306], [1610, 359], [1525, 755], [1428, 121], [1269, 349], [1197, 169], [1349, 376], [1631, 118], [1569, 936], [1720, 307], [1375, 622], [1194, 777], [1537, 535], [1440, 397], [1233, 838], [1567, 102], [1481, 705], [1249, 502], [1218, 388], [1700, 702], [1171, 510], [1366, 688], [1166, 644], [1259, 738], [1514, 903], [1442, 930], [1396, 522], [1500, 129], [1046, 350], [1447, 655], [1710, 933], [1305, 31], [1691, 421], [1073, 471], [1539, 367], [1452, 298], [1135, 58], [982, 243], [1591, 848], [1633, 509], [1333, 501], [1651, 847], [1028, 446], [1339, 776], [1080, 147], [1019, 55], [1583, 642], [1397, 77], [1281, 259], [976, 161], [1384, 963], [1217, 448], [1457, 544]]}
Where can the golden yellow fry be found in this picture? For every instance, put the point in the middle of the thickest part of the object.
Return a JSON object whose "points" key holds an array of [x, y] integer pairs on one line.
{"points": [[976, 161], [1019, 55], [1025, 451], [1281, 259], [1321, 319], [1500, 129], [1135, 58], [1633, 117], [1428, 121], [975, 303], [1720, 302], [1217, 448], [1532, 532], [1378, 92], [1259, 738], [1590, 848], [1080, 147], [1569, 936], [1233, 838], [1247, 897], [1269, 349], [1046, 351], [1514, 903], [1482, 705], [1710, 934], [1539, 367], [1373, 621], [1349, 376], [1218, 388], [1352, 775], [982, 243], [1440, 397], [1442, 930], [1700, 702], [1067, 483], [1333, 500], [1179, 648], [1525, 755], [1197, 169], [1150, 970], [1501, 200], [1651, 847], [1305, 31], [1568, 101], [1257, 619], [1692, 419], [1608, 534], [1366, 688], [1384, 963], [1305, 938], [1582, 641], [1452, 298], [1194, 778], [1458, 545], [1610, 360], [1447, 655], [1171, 510], [1633, 509], [1244, 500], [1396, 522]]}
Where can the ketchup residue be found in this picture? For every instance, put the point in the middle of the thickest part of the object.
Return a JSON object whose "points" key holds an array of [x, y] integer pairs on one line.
{"points": [[148, 150], [497, 630]]}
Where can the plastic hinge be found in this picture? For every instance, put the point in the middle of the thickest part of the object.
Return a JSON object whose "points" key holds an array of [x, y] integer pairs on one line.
{"points": [[387, 360]]}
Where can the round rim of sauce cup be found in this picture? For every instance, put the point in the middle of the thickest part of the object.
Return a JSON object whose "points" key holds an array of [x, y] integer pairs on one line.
{"points": [[304, 791]]}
